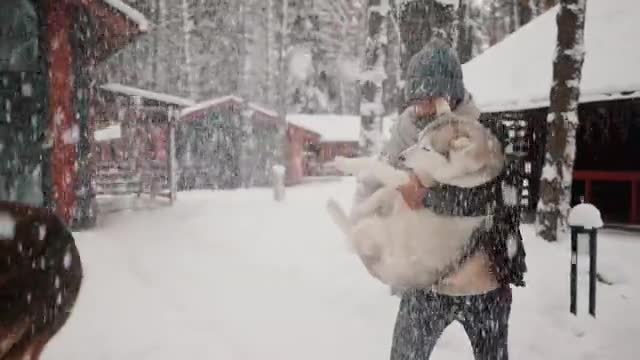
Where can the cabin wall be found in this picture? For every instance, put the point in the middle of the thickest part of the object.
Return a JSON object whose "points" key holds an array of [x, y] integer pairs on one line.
{"points": [[608, 140], [301, 163], [329, 150]]}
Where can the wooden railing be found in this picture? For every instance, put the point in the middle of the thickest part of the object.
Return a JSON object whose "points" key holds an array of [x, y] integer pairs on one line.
{"points": [[633, 177]]}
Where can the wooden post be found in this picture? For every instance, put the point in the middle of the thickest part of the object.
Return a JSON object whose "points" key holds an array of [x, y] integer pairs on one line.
{"points": [[278, 175], [593, 268], [171, 154], [593, 256], [587, 190], [573, 307]]}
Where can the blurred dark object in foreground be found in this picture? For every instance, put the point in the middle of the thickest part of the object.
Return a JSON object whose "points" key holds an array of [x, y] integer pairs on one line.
{"points": [[40, 277]]}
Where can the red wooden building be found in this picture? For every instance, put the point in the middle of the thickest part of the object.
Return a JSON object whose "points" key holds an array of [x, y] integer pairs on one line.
{"points": [[48, 51], [325, 137], [513, 80], [132, 152], [226, 142]]}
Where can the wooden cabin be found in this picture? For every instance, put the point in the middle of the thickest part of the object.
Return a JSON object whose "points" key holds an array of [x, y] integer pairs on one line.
{"points": [[337, 135], [133, 135], [512, 80], [304, 153], [226, 143], [48, 51]]}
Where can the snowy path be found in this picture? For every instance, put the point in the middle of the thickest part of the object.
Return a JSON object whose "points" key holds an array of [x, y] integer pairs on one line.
{"points": [[233, 275]]}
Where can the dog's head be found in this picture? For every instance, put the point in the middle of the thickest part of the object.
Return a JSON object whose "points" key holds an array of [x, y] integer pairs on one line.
{"points": [[456, 152]]}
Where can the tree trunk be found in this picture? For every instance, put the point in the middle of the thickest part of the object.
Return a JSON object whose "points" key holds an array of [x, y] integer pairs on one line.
{"points": [[187, 28], [374, 74], [562, 122], [464, 41], [268, 47], [524, 12], [282, 150]]}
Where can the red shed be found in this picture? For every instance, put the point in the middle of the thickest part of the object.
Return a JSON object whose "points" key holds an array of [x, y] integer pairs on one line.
{"points": [[47, 60], [339, 135], [226, 143]]}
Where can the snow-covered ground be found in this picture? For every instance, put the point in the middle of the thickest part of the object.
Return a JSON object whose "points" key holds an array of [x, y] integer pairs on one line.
{"points": [[234, 275]]}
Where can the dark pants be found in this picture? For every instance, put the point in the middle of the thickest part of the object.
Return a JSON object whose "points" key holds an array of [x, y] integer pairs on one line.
{"points": [[424, 315]]}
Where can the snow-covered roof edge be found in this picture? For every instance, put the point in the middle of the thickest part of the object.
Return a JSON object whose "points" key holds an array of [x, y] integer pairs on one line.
{"points": [[133, 14], [221, 100], [345, 129], [147, 94], [516, 73]]}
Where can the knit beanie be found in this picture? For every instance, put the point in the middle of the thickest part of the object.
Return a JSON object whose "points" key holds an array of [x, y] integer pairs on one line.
{"points": [[434, 71]]}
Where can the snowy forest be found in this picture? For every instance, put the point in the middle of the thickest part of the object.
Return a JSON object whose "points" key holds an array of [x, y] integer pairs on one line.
{"points": [[308, 53], [319, 179]]}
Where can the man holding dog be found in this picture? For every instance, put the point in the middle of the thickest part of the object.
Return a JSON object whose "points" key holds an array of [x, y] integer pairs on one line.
{"points": [[477, 293]]}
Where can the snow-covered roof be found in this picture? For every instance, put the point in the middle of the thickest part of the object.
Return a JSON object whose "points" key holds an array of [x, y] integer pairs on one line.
{"points": [[332, 128], [133, 91], [131, 13], [221, 100], [108, 133], [516, 74]]}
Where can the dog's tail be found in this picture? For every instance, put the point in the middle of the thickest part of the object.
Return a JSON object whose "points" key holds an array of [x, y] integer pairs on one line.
{"points": [[339, 216]]}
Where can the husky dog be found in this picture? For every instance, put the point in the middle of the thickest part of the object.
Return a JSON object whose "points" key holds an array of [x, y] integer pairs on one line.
{"points": [[410, 248]]}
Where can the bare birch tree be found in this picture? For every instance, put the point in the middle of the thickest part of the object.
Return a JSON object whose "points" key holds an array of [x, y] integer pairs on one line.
{"points": [[562, 121]]}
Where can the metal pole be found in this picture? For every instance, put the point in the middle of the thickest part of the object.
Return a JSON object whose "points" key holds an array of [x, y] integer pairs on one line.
{"points": [[574, 270], [593, 252]]}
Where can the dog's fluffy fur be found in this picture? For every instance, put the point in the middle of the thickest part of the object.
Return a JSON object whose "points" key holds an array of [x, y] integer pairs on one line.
{"points": [[409, 249]]}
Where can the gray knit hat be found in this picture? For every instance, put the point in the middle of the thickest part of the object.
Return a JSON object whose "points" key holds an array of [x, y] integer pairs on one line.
{"points": [[434, 71]]}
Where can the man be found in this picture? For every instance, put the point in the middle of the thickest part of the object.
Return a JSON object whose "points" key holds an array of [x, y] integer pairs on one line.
{"points": [[477, 292]]}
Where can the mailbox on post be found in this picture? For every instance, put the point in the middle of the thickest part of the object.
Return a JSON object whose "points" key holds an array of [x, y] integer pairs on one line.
{"points": [[584, 219]]}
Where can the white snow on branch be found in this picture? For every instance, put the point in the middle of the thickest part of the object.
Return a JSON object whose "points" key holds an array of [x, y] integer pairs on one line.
{"points": [[376, 76], [210, 103], [549, 173], [131, 13], [371, 109]]}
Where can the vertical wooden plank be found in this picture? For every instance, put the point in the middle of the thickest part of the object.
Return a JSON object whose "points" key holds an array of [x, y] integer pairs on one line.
{"points": [[573, 307], [587, 191], [61, 119], [593, 271], [171, 154]]}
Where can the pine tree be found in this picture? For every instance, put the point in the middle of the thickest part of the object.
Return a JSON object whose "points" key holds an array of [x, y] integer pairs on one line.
{"points": [[562, 121]]}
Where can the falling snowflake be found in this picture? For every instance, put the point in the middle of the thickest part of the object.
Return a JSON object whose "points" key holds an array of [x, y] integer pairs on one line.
{"points": [[42, 232], [7, 226], [67, 260]]}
